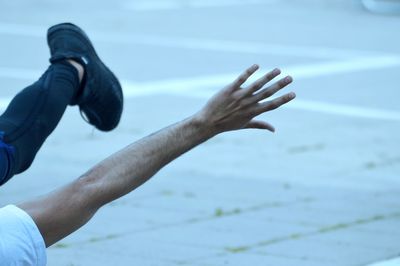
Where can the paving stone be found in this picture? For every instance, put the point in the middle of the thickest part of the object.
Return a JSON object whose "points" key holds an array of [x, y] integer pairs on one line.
{"points": [[258, 260], [346, 255]]}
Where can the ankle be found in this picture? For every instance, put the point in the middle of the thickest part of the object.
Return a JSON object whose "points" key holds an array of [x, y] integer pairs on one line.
{"points": [[78, 67]]}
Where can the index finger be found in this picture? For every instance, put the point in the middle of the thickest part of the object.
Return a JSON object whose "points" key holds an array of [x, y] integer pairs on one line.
{"points": [[245, 75]]}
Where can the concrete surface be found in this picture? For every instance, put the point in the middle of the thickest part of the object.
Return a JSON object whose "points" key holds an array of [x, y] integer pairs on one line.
{"points": [[323, 190]]}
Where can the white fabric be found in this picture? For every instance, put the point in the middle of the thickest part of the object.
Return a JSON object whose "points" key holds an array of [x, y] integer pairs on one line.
{"points": [[21, 243]]}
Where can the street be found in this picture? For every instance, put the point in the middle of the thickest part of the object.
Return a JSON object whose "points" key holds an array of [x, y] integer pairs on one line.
{"points": [[324, 189]]}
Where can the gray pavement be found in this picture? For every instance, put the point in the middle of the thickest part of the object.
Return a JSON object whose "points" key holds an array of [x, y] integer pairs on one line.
{"points": [[323, 190]]}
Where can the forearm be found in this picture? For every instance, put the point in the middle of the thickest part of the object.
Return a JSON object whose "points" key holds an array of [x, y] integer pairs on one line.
{"points": [[63, 211], [131, 167]]}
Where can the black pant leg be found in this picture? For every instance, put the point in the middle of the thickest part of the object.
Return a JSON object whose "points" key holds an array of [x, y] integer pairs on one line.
{"points": [[35, 112]]}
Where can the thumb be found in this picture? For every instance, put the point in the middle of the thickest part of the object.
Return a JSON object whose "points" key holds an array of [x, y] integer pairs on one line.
{"points": [[260, 125]]}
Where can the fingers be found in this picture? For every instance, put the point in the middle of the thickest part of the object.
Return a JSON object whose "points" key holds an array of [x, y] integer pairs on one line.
{"points": [[245, 75], [271, 105], [271, 90], [262, 81], [260, 125]]}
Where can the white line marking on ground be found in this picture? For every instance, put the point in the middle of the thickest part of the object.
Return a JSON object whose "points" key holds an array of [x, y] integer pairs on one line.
{"points": [[392, 262], [205, 86], [186, 4], [192, 84], [259, 48], [345, 110], [202, 82], [228, 46], [344, 66], [298, 104]]}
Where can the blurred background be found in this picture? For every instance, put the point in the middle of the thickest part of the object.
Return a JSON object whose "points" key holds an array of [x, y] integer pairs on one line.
{"points": [[323, 190]]}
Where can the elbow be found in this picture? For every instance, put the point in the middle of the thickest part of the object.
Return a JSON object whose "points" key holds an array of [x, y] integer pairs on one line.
{"points": [[88, 188]]}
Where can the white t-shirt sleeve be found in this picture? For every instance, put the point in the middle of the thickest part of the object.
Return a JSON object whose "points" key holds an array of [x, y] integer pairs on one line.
{"points": [[21, 243]]}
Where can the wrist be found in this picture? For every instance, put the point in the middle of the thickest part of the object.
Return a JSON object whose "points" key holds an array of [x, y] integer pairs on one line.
{"points": [[203, 126]]}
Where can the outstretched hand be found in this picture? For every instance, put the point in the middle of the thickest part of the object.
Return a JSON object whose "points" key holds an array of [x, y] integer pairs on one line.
{"points": [[235, 107]]}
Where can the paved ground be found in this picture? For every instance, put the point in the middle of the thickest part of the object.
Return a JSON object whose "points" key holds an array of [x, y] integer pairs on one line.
{"points": [[323, 190]]}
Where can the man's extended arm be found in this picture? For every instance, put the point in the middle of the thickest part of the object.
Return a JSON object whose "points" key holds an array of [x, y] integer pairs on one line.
{"points": [[65, 210]]}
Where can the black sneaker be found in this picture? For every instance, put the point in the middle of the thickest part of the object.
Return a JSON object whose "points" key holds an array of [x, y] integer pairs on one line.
{"points": [[100, 98]]}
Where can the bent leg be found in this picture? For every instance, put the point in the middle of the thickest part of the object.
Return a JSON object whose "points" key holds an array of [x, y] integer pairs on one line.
{"points": [[35, 112]]}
